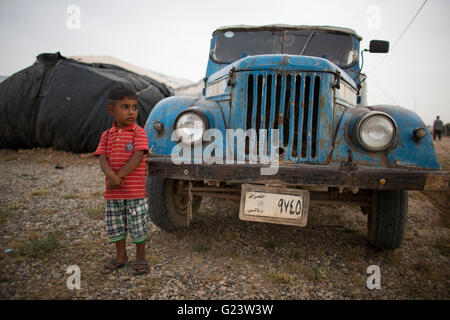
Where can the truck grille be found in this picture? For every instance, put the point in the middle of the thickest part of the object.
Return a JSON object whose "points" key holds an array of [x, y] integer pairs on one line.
{"points": [[289, 102]]}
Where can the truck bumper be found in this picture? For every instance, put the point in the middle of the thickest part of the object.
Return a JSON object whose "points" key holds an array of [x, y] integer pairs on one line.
{"points": [[304, 175]]}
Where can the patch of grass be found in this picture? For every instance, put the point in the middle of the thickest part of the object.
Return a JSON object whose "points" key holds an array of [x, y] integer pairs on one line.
{"points": [[80, 195], [226, 252], [295, 255], [47, 212], [271, 244], [200, 247], [279, 277], [318, 273], [312, 273], [28, 177], [5, 215], [38, 192], [97, 193], [40, 247], [84, 195], [348, 294], [7, 212], [70, 197], [153, 259], [58, 183], [95, 213], [14, 206], [231, 234], [348, 230]]}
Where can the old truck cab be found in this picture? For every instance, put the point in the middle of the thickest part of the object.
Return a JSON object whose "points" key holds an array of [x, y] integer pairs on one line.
{"points": [[283, 122]]}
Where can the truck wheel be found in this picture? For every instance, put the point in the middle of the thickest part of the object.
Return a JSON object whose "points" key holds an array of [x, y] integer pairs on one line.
{"points": [[168, 202], [387, 218]]}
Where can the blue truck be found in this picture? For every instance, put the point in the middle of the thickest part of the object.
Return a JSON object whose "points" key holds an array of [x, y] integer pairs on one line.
{"points": [[295, 97]]}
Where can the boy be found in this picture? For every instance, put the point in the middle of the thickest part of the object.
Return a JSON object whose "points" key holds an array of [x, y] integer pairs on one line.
{"points": [[122, 151]]}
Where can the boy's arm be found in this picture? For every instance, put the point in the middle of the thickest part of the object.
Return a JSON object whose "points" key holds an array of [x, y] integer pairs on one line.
{"points": [[131, 164], [113, 180]]}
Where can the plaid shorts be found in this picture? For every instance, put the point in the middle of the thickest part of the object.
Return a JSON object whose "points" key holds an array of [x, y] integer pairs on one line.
{"points": [[128, 215]]}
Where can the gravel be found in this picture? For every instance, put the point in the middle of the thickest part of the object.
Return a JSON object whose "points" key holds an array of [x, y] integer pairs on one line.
{"points": [[58, 214]]}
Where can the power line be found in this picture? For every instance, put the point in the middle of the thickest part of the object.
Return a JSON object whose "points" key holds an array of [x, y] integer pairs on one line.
{"points": [[401, 35], [409, 24]]}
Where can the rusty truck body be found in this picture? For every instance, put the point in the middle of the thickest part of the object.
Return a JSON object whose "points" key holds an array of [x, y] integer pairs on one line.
{"points": [[295, 94]]}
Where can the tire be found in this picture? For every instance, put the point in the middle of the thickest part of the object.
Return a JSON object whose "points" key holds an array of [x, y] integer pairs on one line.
{"points": [[167, 205], [387, 218]]}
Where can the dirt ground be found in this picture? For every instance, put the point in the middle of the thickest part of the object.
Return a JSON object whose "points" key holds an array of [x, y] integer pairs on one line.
{"points": [[51, 213]]}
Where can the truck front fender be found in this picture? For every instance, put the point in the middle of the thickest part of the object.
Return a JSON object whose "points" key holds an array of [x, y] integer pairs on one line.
{"points": [[166, 113], [406, 152]]}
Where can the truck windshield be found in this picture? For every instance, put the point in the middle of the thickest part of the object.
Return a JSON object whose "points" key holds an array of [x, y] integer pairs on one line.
{"points": [[234, 45]]}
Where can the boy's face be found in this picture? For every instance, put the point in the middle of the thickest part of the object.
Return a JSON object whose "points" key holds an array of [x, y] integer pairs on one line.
{"points": [[125, 111]]}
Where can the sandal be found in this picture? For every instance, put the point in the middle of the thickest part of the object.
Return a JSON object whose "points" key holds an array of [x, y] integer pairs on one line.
{"points": [[111, 266], [140, 267]]}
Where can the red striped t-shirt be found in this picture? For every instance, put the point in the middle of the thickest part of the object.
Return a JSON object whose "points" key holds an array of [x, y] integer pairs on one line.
{"points": [[119, 145]]}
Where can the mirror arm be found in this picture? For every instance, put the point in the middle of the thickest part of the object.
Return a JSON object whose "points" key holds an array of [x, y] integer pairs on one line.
{"points": [[362, 59], [360, 69]]}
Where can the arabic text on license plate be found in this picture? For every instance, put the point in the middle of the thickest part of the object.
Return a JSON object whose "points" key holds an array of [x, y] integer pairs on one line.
{"points": [[275, 207]]}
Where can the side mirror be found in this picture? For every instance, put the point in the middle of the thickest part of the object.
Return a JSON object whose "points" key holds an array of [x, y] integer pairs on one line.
{"points": [[379, 46]]}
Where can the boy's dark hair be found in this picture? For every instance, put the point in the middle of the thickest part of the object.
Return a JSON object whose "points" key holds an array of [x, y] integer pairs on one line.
{"points": [[120, 93]]}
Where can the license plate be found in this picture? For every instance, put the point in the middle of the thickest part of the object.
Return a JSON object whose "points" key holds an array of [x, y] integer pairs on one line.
{"points": [[274, 205]]}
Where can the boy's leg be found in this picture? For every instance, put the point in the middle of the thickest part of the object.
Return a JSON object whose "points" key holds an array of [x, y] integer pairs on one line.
{"points": [[137, 224], [140, 251], [116, 228], [121, 252], [120, 260]]}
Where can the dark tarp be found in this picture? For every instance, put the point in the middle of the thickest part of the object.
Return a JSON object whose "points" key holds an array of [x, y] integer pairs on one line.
{"points": [[61, 103]]}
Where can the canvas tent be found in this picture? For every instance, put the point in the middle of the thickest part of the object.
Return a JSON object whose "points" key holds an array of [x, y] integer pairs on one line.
{"points": [[169, 81], [61, 103]]}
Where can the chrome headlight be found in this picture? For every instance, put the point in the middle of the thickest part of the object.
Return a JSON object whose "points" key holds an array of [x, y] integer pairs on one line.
{"points": [[190, 126], [376, 131]]}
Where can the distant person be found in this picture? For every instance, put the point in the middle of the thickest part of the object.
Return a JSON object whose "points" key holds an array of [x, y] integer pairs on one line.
{"points": [[122, 151], [437, 128]]}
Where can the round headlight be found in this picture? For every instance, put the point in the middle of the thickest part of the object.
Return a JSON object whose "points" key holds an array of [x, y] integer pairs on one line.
{"points": [[376, 131], [190, 126]]}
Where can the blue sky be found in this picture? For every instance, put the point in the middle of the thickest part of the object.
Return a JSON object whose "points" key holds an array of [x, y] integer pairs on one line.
{"points": [[172, 37]]}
